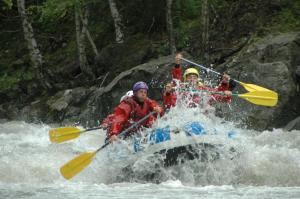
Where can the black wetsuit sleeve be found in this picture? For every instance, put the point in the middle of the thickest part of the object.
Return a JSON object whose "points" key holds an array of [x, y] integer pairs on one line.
{"points": [[232, 84]]}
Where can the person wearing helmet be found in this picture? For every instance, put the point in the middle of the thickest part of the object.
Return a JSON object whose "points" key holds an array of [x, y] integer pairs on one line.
{"points": [[191, 79], [133, 109], [169, 97]]}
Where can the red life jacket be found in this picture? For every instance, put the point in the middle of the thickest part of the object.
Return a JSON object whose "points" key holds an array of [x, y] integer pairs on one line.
{"points": [[193, 99], [176, 73], [169, 100], [138, 111], [224, 86], [130, 111]]}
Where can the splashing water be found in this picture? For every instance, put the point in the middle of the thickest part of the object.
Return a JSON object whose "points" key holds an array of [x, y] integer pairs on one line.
{"points": [[263, 164]]}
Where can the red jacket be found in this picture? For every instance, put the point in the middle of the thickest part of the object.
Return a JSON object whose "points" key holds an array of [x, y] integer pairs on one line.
{"points": [[130, 111], [170, 100], [176, 72]]}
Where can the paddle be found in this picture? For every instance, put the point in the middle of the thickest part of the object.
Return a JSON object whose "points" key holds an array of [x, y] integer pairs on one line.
{"points": [[263, 98], [76, 165], [63, 134], [248, 87]]}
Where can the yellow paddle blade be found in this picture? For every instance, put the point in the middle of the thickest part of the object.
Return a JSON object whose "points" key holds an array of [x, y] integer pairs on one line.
{"points": [[263, 98], [253, 87], [76, 165], [63, 134]]}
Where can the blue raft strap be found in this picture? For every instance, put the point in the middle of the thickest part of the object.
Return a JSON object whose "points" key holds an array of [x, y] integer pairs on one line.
{"points": [[194, 128], [160, 135]]}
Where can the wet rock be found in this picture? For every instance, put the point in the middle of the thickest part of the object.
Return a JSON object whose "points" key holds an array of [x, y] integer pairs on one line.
{"points": [[11, 111], [297, 71], [60, 101], [272, 63], [2, 111], [65, 106], [293, 125]]}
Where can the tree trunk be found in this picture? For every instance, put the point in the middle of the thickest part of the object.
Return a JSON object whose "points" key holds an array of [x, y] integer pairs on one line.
{"points": [[80, 40], [94, 47], [170, 27], [205, 30], [35, 54], [117, 21], [84, 21], [80, 45]]}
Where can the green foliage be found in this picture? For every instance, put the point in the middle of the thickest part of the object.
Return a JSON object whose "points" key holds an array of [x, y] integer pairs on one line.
{"points": [[9, 80], [6, 4], [54, 10], [188, 8], [61, 56], [289, 17], [184, 30]]}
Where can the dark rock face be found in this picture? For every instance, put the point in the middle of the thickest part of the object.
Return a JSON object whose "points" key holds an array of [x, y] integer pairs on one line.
{"points": [[114, 58], [271, 62], [65, 106], [293, 125]]}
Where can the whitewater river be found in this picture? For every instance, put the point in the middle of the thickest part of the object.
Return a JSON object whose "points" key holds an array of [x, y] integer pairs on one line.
{"points": [[263, 165]]}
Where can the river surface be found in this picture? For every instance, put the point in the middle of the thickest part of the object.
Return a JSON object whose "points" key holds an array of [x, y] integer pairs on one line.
{"points": [[263, 165]]}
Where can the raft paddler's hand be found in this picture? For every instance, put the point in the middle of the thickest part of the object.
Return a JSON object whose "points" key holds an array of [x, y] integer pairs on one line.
{"points": [[157, 109], [178, 58], [113, 138], [228, 93]]}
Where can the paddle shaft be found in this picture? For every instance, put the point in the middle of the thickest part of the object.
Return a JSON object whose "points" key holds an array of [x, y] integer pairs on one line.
{"points": [[127, 130], [91, 129], [206, 91], [207, 69]]}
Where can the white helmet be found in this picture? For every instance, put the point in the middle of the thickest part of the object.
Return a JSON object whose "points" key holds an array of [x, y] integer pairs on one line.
{"points": [[128, 94]]}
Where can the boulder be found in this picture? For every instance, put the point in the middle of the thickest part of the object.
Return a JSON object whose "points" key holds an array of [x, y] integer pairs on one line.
{"points": [[65, 106], [272, 63], [293, 125]]}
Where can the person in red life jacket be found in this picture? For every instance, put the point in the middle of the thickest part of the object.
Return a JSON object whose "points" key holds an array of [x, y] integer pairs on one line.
{"points": [[192, 81], [170, 97], [106, 123], [134, 109], [226, 85]]}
